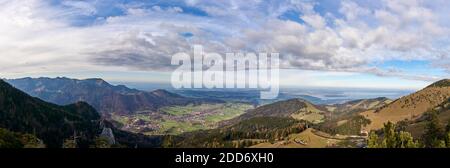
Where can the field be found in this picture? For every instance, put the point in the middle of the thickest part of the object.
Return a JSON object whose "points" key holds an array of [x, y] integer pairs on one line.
{"points": [[185, 110], [180, 119]]}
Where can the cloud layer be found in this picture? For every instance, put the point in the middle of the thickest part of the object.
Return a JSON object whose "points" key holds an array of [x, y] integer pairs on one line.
{"points": [[348, 36]]}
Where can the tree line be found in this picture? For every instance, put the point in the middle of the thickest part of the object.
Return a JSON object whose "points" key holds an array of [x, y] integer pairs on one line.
{"points": [[436, 135]]}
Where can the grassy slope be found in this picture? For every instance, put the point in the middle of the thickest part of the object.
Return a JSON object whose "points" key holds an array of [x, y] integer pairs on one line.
{"points": [[408, 107], [418, 128], [356, 106]]}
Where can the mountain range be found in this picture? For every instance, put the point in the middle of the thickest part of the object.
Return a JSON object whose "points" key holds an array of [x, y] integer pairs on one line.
{"points": [[343, 126], [104, 97], [55, 124], [377, 110], [67, 117]]}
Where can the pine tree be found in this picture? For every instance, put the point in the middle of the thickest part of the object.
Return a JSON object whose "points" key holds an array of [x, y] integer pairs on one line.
{"points": [[392, 138], [389, 135], [447, 134], [372, 142], [405, 140], [447, 139], [435, 131], [440, 144]]}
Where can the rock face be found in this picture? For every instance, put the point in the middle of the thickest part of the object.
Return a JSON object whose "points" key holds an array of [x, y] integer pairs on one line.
{"points": [[104, 97], [109, 135]]}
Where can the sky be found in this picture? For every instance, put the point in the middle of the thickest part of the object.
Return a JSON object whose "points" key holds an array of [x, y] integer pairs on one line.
{"points": [[403, 44]]}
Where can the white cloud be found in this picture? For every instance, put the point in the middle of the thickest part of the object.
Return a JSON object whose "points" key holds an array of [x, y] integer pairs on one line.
{"points": [[353, 11], [316, 21], [83, 8], [37, 36]]}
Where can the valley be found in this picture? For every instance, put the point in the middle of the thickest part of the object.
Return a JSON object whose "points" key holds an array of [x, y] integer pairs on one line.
{"points": [[180, 119]]}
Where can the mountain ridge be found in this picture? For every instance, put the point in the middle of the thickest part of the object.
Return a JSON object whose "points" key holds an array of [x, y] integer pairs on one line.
{"points": [[440, 83], [292, 108], [104, 97], [20, 112], [29, 116], [409, 107], [356, 106]]}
